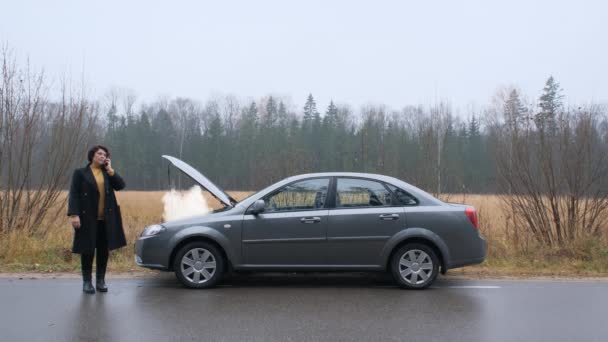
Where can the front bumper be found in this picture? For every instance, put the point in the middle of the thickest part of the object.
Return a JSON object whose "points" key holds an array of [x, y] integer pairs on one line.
{"points": [[150, 253]]}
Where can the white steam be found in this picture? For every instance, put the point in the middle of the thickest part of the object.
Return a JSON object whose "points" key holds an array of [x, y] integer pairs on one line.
{"points": [[184, 204]]}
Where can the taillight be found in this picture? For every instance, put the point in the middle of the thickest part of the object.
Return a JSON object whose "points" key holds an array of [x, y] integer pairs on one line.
{"points": [[472, 215]]}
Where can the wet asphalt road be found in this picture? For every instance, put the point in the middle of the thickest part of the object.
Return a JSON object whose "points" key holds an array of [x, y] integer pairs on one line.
{"points": [[338, 307]]}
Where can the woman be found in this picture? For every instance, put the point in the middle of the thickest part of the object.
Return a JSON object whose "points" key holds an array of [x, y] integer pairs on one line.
{"points": [[95, 215]]}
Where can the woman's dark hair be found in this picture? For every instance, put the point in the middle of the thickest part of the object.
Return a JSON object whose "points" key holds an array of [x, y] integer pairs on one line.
{"points": [[94, 150]]}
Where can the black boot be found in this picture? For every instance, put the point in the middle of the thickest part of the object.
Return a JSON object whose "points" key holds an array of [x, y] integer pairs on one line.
{"points": [[87, 287], [101, 284], [86, 264]]}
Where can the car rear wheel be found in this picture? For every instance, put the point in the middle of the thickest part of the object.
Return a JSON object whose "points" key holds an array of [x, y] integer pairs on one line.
{"points": [[198, 265], [415, 266]]}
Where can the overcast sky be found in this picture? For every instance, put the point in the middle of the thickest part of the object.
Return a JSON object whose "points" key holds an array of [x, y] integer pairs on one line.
{"points": [[355, 52]]}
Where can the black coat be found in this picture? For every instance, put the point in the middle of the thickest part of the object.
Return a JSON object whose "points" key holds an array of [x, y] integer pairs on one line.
{"points": [[83, 201]]}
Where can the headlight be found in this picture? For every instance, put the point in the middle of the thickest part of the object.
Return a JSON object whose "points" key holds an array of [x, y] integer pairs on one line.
{"points": [[152, 230]]}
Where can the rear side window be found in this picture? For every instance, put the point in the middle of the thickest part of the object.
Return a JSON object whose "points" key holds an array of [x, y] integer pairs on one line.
{"points": [[402, 197], [353, 193], [304, 195]]}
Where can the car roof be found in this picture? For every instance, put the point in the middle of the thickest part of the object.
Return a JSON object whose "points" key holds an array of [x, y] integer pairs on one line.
{"points": [[341, 173], [344, 174]]}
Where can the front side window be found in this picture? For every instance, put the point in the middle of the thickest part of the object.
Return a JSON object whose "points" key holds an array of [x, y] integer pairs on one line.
{"points": [[303, 195], [352, 193]]}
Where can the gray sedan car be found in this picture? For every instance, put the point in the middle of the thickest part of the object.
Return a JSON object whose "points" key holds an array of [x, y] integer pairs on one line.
{"points": [[335, 221]]}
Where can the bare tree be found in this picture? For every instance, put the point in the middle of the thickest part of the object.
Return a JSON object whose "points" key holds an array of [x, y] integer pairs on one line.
{"points": [[231, 108], [552, 165], [183, 109], [39, 143]]}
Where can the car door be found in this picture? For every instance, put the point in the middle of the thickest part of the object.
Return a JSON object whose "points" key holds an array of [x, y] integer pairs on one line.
{"points": [[292, 228], [364, 218]]}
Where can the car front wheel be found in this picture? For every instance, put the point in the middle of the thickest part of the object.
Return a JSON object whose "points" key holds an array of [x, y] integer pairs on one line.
{"points": [[415, 266], [198, 265]]}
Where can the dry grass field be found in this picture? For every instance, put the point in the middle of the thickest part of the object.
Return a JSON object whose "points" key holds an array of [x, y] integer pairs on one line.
{"points": [[511, 251]]}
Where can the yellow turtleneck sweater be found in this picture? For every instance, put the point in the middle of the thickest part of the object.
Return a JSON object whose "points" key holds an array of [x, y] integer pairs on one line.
{"points": [[98, 174]]}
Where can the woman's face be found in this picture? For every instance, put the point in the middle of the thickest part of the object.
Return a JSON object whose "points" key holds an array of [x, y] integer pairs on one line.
{"points": [[99, 157]]}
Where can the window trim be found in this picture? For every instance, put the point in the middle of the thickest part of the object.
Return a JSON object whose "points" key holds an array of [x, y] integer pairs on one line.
{"points": [[330, 202]]}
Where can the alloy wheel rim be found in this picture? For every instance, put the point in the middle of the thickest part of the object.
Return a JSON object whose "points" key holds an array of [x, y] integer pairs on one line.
{"points": [[415, 267], [198, 265]]}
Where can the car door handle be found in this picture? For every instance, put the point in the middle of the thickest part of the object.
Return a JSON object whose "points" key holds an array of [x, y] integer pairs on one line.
{"points": [[389, 217], [310, 219]]}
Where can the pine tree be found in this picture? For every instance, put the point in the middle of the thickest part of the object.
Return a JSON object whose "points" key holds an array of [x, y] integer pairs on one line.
{"points": [[474, 156], [310, 112], [473, 130], [271, 113], [514, 112], [550, 104], [331, 116], [164, 128], [247, 150]]}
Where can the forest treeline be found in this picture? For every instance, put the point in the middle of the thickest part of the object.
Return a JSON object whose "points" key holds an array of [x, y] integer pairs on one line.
{"points": [[247, 145]]}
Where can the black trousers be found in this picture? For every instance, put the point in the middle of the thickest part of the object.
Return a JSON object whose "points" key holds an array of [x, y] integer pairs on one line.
{"points": [[86, 260]]}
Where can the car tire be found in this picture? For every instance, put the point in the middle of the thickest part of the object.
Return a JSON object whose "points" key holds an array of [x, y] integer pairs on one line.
{"points": [[199, 265], [415, 266]]}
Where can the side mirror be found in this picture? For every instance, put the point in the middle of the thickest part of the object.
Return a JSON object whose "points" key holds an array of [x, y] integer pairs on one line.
{"points": [[257, 207]]}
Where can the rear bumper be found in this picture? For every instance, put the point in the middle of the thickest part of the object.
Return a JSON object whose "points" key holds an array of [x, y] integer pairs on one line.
{"points": [[477, 256]]}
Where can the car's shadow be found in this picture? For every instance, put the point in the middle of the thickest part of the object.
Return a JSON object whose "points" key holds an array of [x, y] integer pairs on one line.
{"points": [[309, 279]]}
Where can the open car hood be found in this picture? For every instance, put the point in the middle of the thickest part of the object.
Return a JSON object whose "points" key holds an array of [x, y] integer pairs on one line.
{"points": [[213, 189]]}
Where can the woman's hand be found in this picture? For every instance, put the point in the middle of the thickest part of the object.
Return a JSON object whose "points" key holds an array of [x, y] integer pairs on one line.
{"points": [[108, 166], [75, 221]]}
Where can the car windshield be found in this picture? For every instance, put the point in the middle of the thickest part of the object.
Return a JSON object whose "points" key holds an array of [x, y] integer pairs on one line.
{"points": [[246, 197], [253, 193]]}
